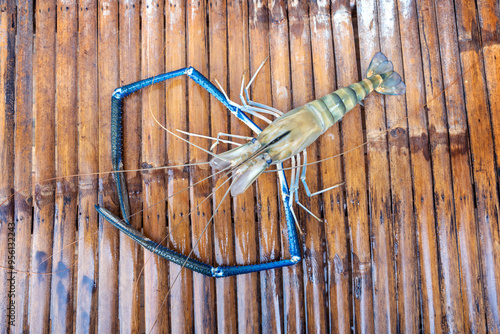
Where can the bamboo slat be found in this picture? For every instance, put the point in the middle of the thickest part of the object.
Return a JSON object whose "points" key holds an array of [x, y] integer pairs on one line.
{"points": [[130, 254], [23, 159], [153, 155], [181, 305], [302, 91], [201, 219], [422, 175], [224, 252], [405, 229], [410, 242], [7, 102], [44, 162], [45, 51], [245, 228], [88, 163], [266, 188], [481, 140], [355, 182], [107, 65], [279, 64], [379, 180], [489, 23], [472, 289], [314, 278], [66, 189], [441, 170], [336, 228]]}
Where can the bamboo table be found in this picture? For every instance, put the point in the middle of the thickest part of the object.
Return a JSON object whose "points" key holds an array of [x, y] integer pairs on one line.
{"points": [[410, 242]]}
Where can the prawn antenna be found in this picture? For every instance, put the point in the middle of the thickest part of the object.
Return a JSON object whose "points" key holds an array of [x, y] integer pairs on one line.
{"points": [[177, 136]]}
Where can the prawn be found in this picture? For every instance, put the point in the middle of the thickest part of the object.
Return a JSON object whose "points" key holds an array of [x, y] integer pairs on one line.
{"points": [[285, 138]]}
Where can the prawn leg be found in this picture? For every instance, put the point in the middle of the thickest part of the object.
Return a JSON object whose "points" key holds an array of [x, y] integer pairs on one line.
{"points": [[304, 182], [117, 161], [295, 184]]}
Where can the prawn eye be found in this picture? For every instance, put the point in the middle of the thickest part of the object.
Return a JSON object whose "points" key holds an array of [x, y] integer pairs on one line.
{"points": [[267, 158]]}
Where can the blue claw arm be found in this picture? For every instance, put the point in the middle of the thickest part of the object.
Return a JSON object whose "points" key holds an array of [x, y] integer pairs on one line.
{"points": [[181, 259], [154, 247], [117, 161]]}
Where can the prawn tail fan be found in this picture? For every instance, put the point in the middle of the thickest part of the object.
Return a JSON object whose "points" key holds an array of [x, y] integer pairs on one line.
{"points": [[392, 84]]}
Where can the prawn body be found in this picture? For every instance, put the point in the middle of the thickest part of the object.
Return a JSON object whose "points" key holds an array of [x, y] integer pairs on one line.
{"points": [[294, 131], [286, 137], [306, 123]]}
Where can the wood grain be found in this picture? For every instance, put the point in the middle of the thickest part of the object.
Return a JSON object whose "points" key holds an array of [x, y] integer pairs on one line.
{"points": [[108, 78], [23, 143], [410, 242], [44, 162], [7, 107], [88, 163]]}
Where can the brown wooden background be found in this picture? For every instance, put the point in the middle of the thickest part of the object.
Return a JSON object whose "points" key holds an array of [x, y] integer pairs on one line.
{"points": [[410, 243]]}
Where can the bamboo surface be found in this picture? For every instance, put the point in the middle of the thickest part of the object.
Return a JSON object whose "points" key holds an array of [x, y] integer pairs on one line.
{"points": [[409, 243]]}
